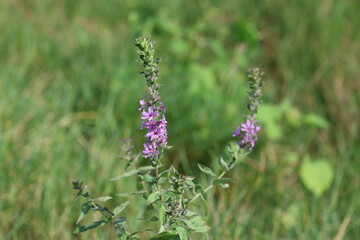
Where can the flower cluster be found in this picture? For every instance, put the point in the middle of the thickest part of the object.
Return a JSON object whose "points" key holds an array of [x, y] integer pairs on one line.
{"points": [[155, 123], [153, 110], [247, 132]]}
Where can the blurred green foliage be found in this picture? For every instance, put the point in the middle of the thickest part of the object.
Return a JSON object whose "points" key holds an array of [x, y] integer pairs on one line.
{"points": [[69, 89]]}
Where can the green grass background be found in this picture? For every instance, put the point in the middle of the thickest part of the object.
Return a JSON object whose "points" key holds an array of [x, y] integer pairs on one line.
{"points": [[69, 89]]}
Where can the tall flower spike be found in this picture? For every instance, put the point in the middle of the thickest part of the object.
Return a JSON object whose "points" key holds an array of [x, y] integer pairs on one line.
{"points": [[247, 132], [153, 110]]}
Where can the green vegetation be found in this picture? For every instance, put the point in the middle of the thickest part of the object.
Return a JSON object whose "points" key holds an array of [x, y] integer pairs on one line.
{"points": [[69, 92]]}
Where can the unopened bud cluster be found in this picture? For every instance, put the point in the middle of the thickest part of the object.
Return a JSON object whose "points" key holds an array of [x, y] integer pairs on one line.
{"points": [[255, 89]]}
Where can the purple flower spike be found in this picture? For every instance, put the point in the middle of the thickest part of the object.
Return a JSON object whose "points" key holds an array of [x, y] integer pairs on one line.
{"points": [[151, 107], [155, 123], [247, 132]]}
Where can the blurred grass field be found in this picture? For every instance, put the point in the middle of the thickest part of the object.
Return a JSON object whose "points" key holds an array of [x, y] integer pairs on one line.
{"points": [[69, 90]]}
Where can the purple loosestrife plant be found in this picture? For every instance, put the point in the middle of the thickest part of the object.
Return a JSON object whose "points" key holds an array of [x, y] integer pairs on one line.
{"points": [[151, 107], [168, 193]]}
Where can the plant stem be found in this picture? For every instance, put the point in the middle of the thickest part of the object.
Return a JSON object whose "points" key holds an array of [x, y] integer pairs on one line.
{"points": [[208, 188], [108, 218]]}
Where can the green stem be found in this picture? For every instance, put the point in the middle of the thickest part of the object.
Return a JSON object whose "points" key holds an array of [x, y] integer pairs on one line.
{"points": [[108, 218], [208, 188]]}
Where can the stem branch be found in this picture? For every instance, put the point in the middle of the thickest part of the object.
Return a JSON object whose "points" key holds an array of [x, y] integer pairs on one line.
{"points": [[108, 218], [208, 188]]}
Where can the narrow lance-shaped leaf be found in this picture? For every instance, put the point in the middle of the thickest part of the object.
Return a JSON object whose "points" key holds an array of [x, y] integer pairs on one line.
{"points": [[120, 220], [153, 197], [147, 178], [98, 207], [137, 232], [206, 170], [129, 194], [166, 236], [84, 210], [133, 172], [120, 208], [183, 233], [90, 226], [127, 174], [197, 224], [223, 164], [162, 215], [101, 199]]}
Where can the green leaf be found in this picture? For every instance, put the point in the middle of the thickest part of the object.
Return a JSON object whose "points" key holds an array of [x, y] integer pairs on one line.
{"points": [[165, 173], [147, 168], [236, 154], [154, 219], [183, 233], [233, 149], [316, 175], [206, 170], [171, 194], [84, 210], [152, 197], [316, 121], [127, 174], [101, 199], [189, 183], [166, 236], [140, 231], [222, 181], [147, 178], [223, 164], [90, 226], [162, 180], [120, 220], [130, 194], [162, 215], [197, 224], [98, 207], [120, 208], [133, 172]]}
